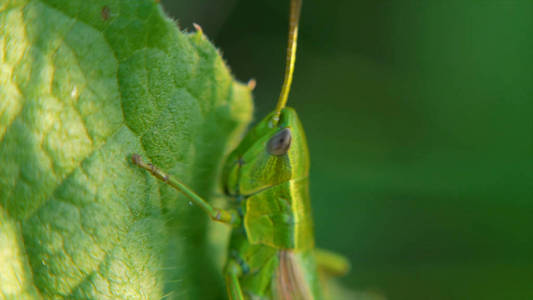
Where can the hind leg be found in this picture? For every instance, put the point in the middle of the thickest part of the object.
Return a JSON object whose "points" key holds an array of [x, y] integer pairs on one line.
{"points": [[331, 263]]}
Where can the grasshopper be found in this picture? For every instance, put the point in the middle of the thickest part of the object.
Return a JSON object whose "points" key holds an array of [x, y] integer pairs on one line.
{"points": [[271, 251]]}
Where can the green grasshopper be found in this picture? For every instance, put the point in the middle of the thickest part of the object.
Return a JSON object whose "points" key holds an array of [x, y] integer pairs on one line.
{"points": [[271, 251]]}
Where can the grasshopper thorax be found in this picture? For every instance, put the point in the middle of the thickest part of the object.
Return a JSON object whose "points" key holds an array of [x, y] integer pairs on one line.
{"points": [[270, 170]]}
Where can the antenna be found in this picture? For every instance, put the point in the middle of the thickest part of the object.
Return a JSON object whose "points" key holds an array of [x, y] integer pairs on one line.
{"points": [[296, 5]]}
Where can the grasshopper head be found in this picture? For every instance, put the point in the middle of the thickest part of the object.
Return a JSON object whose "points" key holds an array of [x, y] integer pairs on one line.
{"points": [[268, 155]]}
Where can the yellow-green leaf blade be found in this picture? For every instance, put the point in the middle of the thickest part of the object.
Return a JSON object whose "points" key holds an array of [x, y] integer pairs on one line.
{"points": [[84, 84]]}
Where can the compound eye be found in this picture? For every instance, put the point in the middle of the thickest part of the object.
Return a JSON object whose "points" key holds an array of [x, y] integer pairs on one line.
{"points": [[280, 143]]}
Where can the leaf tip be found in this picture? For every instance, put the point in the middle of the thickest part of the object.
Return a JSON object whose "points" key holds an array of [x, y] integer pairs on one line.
{"points": [[251, 84], [198, 28]]}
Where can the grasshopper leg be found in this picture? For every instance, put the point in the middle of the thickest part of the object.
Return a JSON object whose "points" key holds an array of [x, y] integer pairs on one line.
{"points": [[331, 263], [233, 271], [217, 214]]}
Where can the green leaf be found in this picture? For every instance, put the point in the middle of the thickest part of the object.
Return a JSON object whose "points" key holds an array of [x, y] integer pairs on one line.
{"points": [[15, 276], [83, 85]]}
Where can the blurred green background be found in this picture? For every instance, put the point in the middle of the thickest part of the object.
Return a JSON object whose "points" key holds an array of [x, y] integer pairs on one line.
{"points": [[419, 116]]}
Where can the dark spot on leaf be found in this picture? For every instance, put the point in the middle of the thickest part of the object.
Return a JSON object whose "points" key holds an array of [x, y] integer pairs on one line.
{"points": [[106, 12]]}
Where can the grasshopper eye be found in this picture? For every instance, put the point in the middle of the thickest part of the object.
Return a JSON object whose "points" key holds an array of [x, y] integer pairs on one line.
{"points": [[280, 143]]}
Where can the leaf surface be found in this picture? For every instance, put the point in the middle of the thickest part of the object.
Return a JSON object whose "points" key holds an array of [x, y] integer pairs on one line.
{"points": [[83, 85]]}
